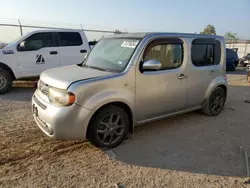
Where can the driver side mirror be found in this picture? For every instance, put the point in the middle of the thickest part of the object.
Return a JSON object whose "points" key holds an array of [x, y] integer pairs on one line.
{"points": [[152, 65], [30, 45], [21, 46]]}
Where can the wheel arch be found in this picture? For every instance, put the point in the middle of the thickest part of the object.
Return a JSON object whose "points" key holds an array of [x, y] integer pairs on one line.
{"points": [[7, 68], [120, 104], [217, 82], [224, 87]]}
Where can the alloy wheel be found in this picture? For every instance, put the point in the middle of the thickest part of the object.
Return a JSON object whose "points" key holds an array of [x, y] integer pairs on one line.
{"points": [[3, 81], [110, 129], [217, 102]]}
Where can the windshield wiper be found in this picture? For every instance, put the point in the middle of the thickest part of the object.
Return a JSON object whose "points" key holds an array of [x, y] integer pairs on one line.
{"points": [[98, 68]]}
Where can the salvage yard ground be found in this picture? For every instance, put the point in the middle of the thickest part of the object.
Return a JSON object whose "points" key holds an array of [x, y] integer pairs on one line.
{"points": [[190, 150]]}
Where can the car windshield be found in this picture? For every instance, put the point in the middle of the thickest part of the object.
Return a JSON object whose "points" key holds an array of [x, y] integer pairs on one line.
{"points": [[111, 54]]}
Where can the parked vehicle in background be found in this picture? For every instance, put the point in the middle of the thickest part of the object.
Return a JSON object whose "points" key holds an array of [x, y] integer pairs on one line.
{"points": [[131, 79], [232, 60], [2, 44], [245, 60], [248, 72], [92, 43], [40, 50]]}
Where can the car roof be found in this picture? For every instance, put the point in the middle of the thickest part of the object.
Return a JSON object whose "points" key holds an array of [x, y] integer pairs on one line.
{"points": [[56, 30], [231, 50], [152, 34]]}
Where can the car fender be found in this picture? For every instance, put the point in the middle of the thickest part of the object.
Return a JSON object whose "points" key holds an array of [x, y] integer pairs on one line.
{"points": [[109, 96], [8, 60], [218, 81], [101, 99]]}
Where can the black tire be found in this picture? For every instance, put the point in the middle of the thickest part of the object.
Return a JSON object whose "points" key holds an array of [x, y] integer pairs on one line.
{"points": [[100, 126], [5, 81], [209, 108]]}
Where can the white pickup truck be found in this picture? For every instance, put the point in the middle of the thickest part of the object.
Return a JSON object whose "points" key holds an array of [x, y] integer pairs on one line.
{"points": [[31, 54]]}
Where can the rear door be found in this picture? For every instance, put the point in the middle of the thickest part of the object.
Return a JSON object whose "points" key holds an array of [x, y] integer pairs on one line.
{"points": [[205, 67], [73, 48], [37, 53]]}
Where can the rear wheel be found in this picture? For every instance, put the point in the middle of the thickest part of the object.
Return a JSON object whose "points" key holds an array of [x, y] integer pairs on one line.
{"points": [[216, 102], [5, 81], [108, 127]]}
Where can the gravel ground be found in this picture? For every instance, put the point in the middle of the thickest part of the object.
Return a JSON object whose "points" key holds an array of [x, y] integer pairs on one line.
{"points": [[190, 150]]}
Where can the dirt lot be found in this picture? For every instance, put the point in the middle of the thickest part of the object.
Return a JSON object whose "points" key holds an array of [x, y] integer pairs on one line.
{"points": [[190, 150]]}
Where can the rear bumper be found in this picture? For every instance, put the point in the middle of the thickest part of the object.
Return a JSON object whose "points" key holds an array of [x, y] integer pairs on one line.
{"points": [[66, 123]]}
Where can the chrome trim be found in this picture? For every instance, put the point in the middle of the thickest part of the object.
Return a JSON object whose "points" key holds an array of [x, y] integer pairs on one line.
{"points": [[44, 107]]}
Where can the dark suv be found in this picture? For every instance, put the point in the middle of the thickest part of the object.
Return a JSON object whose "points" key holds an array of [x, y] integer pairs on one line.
{"points": [[232, 60]]}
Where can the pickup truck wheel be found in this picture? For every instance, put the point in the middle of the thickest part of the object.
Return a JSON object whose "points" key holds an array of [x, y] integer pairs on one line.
{"points": [[5, 81], [216, 102], [108, 127]]}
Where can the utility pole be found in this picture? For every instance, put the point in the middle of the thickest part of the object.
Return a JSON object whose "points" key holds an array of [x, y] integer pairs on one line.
{"points": [[21, 29]]}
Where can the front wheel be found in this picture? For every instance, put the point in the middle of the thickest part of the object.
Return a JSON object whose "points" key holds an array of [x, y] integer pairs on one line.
{"points": [[108, 127], [216, 102], [5, 81]]}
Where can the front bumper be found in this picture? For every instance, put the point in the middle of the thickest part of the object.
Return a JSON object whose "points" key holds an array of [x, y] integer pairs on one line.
{"points": [[66, 123]]}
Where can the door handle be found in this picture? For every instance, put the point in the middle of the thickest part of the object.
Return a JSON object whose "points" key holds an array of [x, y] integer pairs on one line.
{"points": [[53, 52], [182, 76], [211, 72], [83, 51]]}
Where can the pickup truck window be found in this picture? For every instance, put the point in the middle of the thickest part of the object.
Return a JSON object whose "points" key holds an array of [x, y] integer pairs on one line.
{"points": [[111, 54], [70, 39], [36, 42]]}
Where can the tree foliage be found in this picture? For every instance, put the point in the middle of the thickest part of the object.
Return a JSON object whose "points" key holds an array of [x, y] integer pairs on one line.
{"points": [[230, 36], [210, 30]]}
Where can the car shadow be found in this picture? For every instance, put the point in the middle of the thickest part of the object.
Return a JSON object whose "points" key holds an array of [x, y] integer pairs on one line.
{"points": [[21, 91], [193, 142], [238, 71]]}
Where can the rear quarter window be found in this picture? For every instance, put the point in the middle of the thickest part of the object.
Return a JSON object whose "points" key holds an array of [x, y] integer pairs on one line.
{"points": [[205, 52], [70, 39]]}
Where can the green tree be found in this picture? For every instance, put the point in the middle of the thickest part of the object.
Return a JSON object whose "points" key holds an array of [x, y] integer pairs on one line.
{"points": [[210, 30], [230, 36]]}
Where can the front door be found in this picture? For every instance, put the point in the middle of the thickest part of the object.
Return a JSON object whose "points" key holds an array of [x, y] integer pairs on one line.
{"points": [[163, 91], [37, 53]]}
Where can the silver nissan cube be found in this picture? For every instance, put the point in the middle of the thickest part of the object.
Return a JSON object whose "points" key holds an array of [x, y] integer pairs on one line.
{"points": [[129, 80]]}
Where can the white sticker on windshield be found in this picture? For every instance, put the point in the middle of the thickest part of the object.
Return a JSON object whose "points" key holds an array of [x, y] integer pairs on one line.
{"points": [[120, 62], [130, 44]]}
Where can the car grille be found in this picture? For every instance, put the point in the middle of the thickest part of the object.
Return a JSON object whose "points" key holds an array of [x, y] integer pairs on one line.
{"points": [[39, 103], [44, 88]]}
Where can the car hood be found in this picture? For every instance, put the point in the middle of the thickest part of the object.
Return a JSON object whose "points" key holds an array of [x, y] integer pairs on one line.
{"points": [[62, 77]]}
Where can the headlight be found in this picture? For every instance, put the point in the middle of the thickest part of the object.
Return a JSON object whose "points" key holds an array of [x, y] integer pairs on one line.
{"points": [[61, 97]]}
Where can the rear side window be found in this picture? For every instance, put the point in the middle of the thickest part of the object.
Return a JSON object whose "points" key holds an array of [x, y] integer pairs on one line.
{"points": [[205, 52], [70, 39]]}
